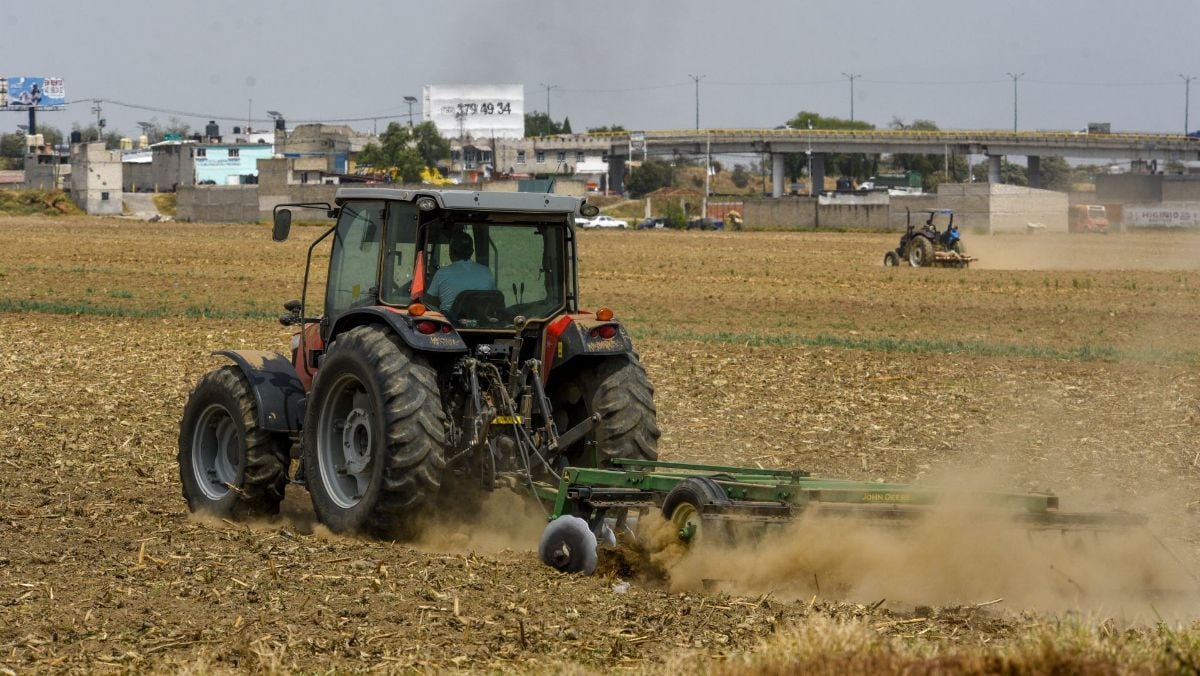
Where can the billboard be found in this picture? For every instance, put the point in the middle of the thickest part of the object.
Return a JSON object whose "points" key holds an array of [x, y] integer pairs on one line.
{"points": [[476, 111], [34, 92], [1166, 215]]}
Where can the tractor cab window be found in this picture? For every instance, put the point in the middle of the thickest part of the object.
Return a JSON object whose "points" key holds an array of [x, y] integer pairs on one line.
{"points": [[354, 260], [399, 253], [483, 272]]}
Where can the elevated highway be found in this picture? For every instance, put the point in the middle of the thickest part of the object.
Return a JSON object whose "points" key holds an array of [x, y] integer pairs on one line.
{"points": [[994, 144]]}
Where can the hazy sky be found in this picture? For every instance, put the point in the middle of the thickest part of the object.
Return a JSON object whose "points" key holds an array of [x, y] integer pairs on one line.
{"points": [[619, 61]]}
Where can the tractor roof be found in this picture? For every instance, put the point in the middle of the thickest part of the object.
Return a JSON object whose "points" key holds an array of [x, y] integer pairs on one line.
{"points": [[468, 199]]}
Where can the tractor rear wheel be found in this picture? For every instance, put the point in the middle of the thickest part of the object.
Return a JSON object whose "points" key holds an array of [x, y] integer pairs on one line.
{"points": [[373, 435], [618, 389], [228, 465], [920, 252]]}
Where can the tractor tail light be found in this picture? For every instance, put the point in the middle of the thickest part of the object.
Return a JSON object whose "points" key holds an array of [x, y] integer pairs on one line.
{"points": [[446, 328], [606, 331], [426, 327], [416, 310], [604, 314]]}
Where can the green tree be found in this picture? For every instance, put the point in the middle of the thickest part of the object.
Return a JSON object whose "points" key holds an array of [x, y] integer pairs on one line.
{"points": [[674, 215], [1011, 173], [1056, 174], [608, 128], [398, 152], [652, 175], [429, 143], [540, 124], [739, 176], [836, 164]]}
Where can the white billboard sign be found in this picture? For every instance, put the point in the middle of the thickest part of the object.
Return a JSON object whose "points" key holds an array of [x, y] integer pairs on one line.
{"points": [[1183, 215], [476, 111]]}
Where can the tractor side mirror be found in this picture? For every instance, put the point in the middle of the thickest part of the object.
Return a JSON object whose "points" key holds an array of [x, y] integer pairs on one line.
{"points": [[283, 225]]}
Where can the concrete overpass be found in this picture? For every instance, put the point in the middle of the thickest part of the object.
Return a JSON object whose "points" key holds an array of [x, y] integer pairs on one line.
{"points": [[994, 144]]}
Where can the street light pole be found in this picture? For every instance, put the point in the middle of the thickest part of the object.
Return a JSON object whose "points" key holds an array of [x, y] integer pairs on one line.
{"points": [[410, 100], [547, 87], [697, 79], [1015, 77], [851, 77], [1187, 100]]}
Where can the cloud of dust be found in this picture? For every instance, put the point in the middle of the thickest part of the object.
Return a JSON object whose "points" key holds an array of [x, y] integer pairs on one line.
{"points": [[503, 520], [959, 553]]}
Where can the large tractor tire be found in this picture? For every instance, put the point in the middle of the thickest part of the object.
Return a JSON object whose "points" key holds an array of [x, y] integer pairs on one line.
{"points": [[920, 252], [373, 435], [960, 248], [229, 467], [618, 389]]}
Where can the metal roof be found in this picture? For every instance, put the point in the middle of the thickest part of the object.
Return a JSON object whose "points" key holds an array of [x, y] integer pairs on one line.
{"points": [[468, 199]]}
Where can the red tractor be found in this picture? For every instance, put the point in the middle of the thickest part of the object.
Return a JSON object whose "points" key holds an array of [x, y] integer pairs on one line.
{"points": [[451, 357]]}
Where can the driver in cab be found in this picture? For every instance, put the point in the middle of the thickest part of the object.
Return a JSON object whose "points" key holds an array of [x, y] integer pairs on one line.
{"points": [[463, 274]]}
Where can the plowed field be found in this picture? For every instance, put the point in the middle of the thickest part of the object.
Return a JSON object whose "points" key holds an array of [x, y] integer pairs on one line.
{"points": [[1059, 363]]}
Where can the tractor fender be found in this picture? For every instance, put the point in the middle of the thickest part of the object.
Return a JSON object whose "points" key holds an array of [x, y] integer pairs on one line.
{"points": [[571, 336], [278, 393], [403, 326]]}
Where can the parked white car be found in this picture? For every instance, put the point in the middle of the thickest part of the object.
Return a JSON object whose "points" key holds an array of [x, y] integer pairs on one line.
{"points": [[604, 221]]}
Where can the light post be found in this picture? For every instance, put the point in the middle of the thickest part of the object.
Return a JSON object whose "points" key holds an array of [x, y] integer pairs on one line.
{"points": [[1187, 100], [1015, 77], [697, 79], [548, 87], [811, 185], [410, 100], [851, 77]]}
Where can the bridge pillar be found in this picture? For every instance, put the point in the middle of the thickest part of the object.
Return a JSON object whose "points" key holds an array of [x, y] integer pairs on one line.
{"points": [[1034, 171], [777, 174], [817, 180], [994, 168]]}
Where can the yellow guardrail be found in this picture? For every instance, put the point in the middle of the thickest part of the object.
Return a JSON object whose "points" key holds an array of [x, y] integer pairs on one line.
{"points": [[900, 134]]}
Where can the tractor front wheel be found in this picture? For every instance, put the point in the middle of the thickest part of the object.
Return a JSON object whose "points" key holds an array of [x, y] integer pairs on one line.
{"points": [[920, 252], [228, 465], [890, 259], [618, 389], [373, 435]]}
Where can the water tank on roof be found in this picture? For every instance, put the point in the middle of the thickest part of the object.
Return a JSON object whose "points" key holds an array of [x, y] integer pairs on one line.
{"points": [[280, 125], [76, 137], [126, 144], [237, 130], [143, 141], [212, 129]]}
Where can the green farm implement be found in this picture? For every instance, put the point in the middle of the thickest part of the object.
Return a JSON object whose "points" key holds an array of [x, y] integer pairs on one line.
{"points": [[711, 501]]}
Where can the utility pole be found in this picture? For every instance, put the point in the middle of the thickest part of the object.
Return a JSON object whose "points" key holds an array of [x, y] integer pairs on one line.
{"points": [[99, 120], [1187, 100], [851, 77], [249, 109], [548, 87], [410, 100], [1015, 77], [697, 79]]}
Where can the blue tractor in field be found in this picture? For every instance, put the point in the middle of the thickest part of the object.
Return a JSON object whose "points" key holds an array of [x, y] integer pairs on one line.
{"points": [[928, 246]]}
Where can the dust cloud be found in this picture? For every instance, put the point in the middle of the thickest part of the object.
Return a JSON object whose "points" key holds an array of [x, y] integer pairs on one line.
{"points": [[958, 554]]}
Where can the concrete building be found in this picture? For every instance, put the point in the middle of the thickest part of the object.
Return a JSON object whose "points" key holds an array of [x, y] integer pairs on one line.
{"points": [[565, 154], [96, 178], [47, 168], [335, 145], [995, 207], [173, 164], [229, 163]]}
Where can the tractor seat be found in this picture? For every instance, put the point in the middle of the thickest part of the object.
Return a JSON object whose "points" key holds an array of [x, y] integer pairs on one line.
{"points": [[483, 307]]}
